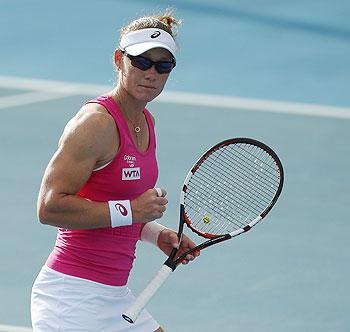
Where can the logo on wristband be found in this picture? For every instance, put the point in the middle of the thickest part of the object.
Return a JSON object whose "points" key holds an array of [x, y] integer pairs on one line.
{"points": [[122, 209]]}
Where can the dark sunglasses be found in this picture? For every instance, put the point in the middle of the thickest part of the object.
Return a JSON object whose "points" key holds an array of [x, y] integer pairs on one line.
{"points": [[142, 63]]}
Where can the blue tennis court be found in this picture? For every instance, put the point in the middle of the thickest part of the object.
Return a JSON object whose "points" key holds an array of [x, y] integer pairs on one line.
{"points": [[278, 73]]}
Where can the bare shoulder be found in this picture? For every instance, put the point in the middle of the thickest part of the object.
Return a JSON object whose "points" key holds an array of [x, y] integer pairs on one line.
{"points": [[91, 130], [94, 117]]}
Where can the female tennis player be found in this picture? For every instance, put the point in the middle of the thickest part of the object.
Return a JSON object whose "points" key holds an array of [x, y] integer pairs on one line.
{"points": [[98, 190]]}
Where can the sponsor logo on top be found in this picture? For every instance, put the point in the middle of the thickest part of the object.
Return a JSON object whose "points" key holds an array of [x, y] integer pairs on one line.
{"points": [[131, 172], [130, 160]]}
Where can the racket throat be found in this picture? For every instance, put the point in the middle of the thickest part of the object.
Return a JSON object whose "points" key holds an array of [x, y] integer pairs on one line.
{"points": [[170, 262]]}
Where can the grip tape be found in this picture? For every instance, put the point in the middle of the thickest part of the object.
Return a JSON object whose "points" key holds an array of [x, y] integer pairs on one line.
{"points": [[134, 310]]}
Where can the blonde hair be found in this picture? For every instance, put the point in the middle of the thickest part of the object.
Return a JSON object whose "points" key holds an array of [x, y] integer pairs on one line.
{"points": [[165, 21]]}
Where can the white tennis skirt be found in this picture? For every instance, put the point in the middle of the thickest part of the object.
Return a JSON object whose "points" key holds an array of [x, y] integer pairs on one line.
{"points": [[62, 303]]}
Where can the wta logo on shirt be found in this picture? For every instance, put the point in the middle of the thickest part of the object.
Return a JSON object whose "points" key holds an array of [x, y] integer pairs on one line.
{"points": [[131, 173]]}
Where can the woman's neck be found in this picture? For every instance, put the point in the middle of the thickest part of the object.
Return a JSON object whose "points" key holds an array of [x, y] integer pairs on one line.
{"points": [[128, 104]]}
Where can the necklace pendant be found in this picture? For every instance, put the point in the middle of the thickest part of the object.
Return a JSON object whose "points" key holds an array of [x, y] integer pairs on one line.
{"points": [[137, 129]]}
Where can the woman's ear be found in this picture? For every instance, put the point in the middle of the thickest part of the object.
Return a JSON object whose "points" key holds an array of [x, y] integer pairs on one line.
{"points": [[117, 58]]}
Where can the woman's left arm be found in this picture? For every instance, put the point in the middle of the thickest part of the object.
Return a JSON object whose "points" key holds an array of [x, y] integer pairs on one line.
{"points": [[168, 240]]}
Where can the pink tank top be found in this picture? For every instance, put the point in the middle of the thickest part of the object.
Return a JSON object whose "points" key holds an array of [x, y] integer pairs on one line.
{"points": [[106, 255]]}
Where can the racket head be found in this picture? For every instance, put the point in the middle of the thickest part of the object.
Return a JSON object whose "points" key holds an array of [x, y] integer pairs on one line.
{"points": [[231, 187]]}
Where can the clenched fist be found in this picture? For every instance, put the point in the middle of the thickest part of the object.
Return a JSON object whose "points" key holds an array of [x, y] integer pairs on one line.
{"points": [[149, 206]]}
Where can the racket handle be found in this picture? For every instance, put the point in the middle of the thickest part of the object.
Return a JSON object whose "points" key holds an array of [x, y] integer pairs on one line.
{"points": [[134, 310]]}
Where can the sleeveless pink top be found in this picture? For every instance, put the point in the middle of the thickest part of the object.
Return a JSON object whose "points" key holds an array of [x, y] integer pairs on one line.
{"points": [[106, 255]]}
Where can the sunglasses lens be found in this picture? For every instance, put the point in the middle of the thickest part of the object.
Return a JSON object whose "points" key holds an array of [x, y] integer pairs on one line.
{"points": [[164, 67], [141, 63]]}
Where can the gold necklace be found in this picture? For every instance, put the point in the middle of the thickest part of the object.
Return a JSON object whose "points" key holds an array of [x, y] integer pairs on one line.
{"points": [[137, 129]]}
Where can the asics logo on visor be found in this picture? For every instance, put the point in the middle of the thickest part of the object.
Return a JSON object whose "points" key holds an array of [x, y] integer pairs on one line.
{"points": [[156, 34]]}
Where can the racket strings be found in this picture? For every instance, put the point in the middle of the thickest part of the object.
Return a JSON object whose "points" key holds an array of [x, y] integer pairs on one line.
{"points": [[220, 216], [255, 161], [267, 188], [263, 160], [265, 185], [266, 191], [221, 197], [233, 214], [231, 188], [238, 215], [262, 156]]}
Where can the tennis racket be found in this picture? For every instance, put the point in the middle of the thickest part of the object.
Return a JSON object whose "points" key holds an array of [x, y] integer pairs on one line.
{"points": [[227, 192]]}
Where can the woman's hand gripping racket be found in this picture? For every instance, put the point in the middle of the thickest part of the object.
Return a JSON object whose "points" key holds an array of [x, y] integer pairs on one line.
{"points": [[228, 191]]}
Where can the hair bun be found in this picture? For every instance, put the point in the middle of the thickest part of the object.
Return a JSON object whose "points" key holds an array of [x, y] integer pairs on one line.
{"points": [[168, 20], [165, 21]]}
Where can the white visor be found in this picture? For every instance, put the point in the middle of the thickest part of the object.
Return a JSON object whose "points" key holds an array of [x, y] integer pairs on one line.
{"points": [[140, 41]]}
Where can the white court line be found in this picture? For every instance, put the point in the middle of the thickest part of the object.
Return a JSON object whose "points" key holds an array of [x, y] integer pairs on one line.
{"points": [[29, 98], [62, 89], [251, 104], [10, 328], [52, 86]]}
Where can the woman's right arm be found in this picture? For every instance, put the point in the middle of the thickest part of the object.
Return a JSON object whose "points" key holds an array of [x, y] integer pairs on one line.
{"points": [[87, 140]]}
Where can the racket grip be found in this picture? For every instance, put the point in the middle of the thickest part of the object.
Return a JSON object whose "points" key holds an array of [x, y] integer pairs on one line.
{"points": [[134, 310]]}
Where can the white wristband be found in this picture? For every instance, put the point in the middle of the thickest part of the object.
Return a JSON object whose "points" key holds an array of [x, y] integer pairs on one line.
{"points": [[120, 213], [150, 232]]}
